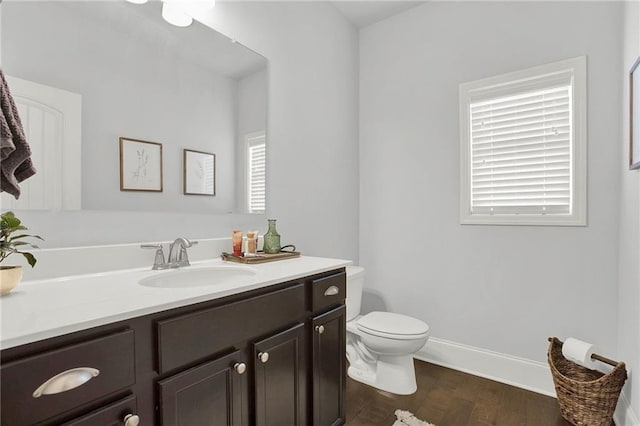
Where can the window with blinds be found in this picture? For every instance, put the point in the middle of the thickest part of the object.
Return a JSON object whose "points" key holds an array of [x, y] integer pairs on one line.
{"points": [[256, 173], [523, 145]]}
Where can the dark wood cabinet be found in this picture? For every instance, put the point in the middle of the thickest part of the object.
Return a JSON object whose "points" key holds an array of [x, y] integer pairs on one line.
{"points": [[110, 415], [42, 386], [184, 339], [274, 356], [328, 367], [279, 378], [208, 395]]}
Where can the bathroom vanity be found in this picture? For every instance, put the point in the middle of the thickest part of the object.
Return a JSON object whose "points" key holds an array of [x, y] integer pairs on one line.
{"points": [[268, 349]]}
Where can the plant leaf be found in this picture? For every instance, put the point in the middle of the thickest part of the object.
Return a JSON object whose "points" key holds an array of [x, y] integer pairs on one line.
{"points": [[9, 244], [18, 236], [9, 220], [30, 258], [24, 236], [19, 243]]}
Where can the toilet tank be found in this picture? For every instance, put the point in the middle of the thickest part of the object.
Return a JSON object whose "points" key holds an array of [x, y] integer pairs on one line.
{"points": [[355, 282]]}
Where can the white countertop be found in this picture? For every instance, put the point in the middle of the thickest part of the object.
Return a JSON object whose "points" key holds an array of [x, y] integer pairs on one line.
{"points": [[41, 309]]}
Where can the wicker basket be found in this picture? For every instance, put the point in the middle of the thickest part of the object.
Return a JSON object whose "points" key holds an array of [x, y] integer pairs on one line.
{"points": [[586, 397]]}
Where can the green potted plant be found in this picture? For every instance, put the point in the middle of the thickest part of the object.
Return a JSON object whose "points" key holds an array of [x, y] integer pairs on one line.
{"points": [[11, 242]]}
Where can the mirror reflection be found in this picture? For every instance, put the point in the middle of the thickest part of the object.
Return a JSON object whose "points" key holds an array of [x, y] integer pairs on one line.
{"points": [[129, 74]]}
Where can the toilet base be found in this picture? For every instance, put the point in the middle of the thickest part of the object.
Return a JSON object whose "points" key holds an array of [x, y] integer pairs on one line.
{"points": [[395, 374]]}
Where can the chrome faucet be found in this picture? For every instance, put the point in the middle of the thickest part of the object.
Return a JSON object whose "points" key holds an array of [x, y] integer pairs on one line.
{"points": [[178, 256], [178, 252]]}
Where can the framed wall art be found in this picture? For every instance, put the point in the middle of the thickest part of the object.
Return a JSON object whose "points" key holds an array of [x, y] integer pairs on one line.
{"points": [[199, 171], [140, 165], [634, 116]]}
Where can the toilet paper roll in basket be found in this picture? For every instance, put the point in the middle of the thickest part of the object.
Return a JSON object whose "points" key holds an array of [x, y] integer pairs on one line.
{"points": [[580, 352]]}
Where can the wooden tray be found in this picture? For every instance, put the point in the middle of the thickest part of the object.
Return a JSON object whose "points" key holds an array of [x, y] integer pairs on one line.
{"points": [[261, 258]]}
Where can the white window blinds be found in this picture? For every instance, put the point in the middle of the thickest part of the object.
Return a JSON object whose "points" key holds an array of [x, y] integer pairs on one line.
{"points": [[521, 153], [256, 178], [523, 147]]}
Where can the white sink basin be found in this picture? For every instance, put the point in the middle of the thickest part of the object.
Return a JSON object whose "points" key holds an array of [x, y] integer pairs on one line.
{"points": [[193, 276]]}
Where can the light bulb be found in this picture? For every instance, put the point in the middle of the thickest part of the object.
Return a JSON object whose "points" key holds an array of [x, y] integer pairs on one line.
{"points": [[173, 14]]}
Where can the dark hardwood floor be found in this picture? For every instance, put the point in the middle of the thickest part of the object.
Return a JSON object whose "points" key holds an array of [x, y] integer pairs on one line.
{"points": [[448, 397]]}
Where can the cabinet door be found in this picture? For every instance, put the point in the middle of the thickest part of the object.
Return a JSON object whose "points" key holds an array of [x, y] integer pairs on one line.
{"points": [[329, 363], [280, 379], [210, 394]]}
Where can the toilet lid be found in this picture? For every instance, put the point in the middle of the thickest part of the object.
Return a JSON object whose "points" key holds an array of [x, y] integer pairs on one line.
{"points": [[389, 324]]}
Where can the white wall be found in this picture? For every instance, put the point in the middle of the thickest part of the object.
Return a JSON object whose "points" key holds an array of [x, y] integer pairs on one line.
{"points": [[312, 153], [501, 288], [629, 225], [312, 131], [251, 103], [251, 110]]}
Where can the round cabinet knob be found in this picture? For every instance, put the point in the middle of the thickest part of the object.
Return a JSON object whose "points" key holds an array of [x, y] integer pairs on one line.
{"points": [[131, 420], [263, 357], [320, 329], [240, 367]]}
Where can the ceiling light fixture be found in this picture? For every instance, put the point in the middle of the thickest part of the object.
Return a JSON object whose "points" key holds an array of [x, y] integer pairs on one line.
{"points": [[173, 13]]}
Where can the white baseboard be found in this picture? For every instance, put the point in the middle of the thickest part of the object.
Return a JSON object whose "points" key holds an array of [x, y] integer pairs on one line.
{"points": [[523, 373], [520, 372]]}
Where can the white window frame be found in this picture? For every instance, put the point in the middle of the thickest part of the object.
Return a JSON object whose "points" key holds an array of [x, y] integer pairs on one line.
{"points": [[512, 84]]}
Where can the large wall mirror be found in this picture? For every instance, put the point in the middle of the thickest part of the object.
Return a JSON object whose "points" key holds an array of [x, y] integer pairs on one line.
{"points": [[129, 74]]}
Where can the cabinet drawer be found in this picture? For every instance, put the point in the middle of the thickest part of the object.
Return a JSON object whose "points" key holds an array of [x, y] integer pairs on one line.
{"points": [[112, 356], [328, 291], [110, 415], [192, 337]]}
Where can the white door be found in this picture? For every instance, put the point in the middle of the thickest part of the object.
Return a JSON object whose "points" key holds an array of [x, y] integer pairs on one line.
{"points": [[52, 121]]}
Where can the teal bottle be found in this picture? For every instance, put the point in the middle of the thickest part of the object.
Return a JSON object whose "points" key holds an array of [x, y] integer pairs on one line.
{"points": [[271, 239]]}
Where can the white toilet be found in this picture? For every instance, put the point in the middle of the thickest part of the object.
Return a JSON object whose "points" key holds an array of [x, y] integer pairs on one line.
{"points": [[380, 345]]}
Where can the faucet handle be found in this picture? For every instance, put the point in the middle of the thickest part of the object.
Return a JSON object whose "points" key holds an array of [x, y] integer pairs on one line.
{"points": [[159, 261], [183, 256], [154, 246]]}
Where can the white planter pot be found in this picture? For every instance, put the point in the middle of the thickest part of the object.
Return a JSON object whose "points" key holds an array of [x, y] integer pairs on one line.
{"points": [[10, 276]]}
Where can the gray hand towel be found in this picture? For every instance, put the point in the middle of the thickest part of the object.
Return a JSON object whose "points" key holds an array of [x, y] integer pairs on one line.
{"points": [[15, 161]]}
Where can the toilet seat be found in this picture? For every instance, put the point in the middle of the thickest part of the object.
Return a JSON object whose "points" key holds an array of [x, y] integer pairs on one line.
{"points": [[392, 326]]}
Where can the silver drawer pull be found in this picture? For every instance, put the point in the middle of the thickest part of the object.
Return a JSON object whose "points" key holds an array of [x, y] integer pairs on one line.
{"points": [[332, 291], [263, 357], [320, 329], [66, 380]]}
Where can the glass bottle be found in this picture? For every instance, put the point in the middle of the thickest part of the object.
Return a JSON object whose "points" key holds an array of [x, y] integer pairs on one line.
{"points": [[271, 243]]}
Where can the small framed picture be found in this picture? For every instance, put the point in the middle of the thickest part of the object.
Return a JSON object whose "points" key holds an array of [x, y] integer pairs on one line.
{"points": [[634, 116], [199, 173], [140, 165]]}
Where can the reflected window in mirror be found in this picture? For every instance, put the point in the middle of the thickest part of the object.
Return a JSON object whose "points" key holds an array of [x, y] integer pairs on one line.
{"points": [[255, 154]]}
